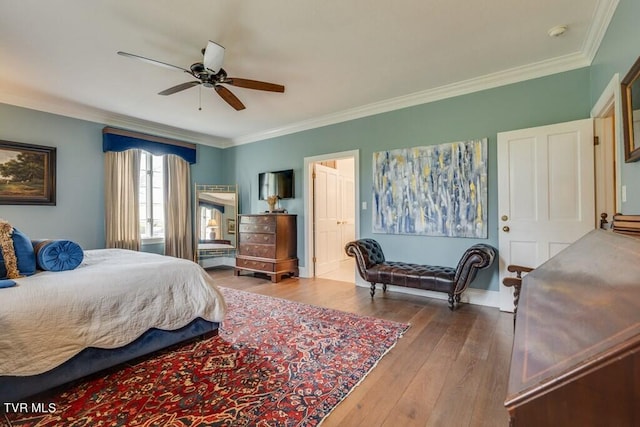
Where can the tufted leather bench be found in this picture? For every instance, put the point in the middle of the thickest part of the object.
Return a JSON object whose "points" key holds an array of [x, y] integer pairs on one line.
{"points": [[374, 268]]}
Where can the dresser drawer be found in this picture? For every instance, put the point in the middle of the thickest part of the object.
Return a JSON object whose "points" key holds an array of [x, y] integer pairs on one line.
{"points": [[257, 228], [258, 220], [260, 251], [260, 238], [255, 265]]}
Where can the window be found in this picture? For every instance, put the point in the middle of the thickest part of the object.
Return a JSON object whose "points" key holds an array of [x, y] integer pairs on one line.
{"points": [[151, 208]]}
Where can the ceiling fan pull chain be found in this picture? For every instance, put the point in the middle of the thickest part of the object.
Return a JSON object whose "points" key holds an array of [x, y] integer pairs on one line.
{"points": [[200, 98]]}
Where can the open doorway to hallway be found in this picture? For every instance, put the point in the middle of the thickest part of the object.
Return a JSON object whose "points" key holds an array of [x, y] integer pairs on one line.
{"points": [[607, 128], [333, 211]]}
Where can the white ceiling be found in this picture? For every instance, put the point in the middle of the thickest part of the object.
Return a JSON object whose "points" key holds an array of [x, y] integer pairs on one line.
{"points": [[337, 59]]}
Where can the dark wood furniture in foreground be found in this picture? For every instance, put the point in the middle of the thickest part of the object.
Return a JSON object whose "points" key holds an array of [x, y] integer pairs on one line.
{"points": [[267, 244], [576, 351], [622, 224]]}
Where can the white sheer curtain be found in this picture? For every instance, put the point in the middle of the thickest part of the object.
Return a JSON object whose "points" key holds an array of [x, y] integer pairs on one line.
{"points": [[178, 235], [122, 188]]}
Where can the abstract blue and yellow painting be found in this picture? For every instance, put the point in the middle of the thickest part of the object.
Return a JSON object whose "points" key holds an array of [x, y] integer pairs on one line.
{"points": [[436, 190]]}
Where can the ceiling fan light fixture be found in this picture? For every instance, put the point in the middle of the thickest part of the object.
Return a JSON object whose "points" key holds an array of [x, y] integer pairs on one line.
{"points": [[213, 56], [558, 30]]}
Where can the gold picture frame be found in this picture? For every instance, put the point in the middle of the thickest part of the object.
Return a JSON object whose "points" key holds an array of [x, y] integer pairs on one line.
{"points": [[231, 225], [630, 91]]}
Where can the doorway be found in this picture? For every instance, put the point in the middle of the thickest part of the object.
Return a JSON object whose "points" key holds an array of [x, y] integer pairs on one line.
{"points": [[607, 128], [332, 220]]}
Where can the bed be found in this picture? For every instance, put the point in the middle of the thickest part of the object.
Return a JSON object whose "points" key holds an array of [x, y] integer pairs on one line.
{"points": [[116, 306]]}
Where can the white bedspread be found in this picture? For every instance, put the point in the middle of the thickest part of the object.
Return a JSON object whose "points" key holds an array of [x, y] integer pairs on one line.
{"points": [[108, 301]]}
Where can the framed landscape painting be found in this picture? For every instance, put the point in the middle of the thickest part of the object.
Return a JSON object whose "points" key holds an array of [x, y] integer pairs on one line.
{"points": [[231, 226], [27, 174]]}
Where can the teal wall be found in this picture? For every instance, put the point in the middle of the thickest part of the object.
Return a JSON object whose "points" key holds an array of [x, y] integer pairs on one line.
{"points": [[209, 167], [79, 210], [618, 51], [558, 98]]}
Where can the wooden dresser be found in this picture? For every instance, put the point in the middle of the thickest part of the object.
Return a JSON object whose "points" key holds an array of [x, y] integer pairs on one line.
{"points": [[267, 243], [576, 350]]}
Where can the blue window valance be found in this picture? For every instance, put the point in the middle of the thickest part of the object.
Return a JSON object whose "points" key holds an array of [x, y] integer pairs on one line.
{"points": [[120, 140]]}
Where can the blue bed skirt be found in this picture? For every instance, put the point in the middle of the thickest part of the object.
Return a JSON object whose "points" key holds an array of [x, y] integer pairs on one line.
{"points": [[91, 360]]}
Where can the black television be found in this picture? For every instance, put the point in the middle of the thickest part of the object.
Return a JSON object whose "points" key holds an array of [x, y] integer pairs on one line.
{"points": [[278, 183]]}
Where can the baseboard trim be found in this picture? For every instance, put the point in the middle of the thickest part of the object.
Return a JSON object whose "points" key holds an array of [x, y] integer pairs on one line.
{"points": [[470, 296], [302, 272]]}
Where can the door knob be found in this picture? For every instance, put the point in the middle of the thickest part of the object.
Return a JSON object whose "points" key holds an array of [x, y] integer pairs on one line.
{"points": [[505, 228], [504, 217]]}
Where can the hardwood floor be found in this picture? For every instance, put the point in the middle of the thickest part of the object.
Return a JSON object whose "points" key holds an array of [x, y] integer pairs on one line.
{"points": [[449, 369]]}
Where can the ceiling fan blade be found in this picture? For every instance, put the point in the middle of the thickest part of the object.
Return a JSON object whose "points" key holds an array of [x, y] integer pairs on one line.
{"points": [[254, 84], [179, 88], [153, 61], [213, 56], [228, 96]]}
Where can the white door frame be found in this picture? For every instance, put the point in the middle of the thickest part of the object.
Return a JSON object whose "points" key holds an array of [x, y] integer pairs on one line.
{"points": [[609, 98], [308, 271]]}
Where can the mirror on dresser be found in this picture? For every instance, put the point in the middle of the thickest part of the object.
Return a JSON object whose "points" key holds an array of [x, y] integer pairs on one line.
{"points": [[216, 208]]}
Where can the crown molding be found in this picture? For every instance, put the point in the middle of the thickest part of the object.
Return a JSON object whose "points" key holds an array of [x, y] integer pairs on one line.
{"points": [[489, 81], [66, 108], [602, 16], [514, 75]]}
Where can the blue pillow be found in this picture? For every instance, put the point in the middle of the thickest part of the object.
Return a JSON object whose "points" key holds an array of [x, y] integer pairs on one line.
{"points": [[24, 253], [57, 255], [6, 283]]}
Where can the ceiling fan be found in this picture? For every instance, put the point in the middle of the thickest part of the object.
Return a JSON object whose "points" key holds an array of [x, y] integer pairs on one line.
{"points": [[209, 73]]}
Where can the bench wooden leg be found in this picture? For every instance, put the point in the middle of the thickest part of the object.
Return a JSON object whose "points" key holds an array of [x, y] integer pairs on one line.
{"points": [[384, 287], [450, 301], [373, 289]]}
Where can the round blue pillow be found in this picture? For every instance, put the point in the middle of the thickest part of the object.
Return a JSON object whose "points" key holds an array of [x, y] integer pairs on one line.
{"points": [[57, 255]]}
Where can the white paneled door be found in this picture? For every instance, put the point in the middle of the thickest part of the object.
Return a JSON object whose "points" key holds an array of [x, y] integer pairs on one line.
{"points": [[328, 250], [347, 204], [546, 197]]}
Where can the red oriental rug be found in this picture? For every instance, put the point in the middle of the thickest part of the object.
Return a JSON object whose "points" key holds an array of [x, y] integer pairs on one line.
{"points": [[274, 363]]}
